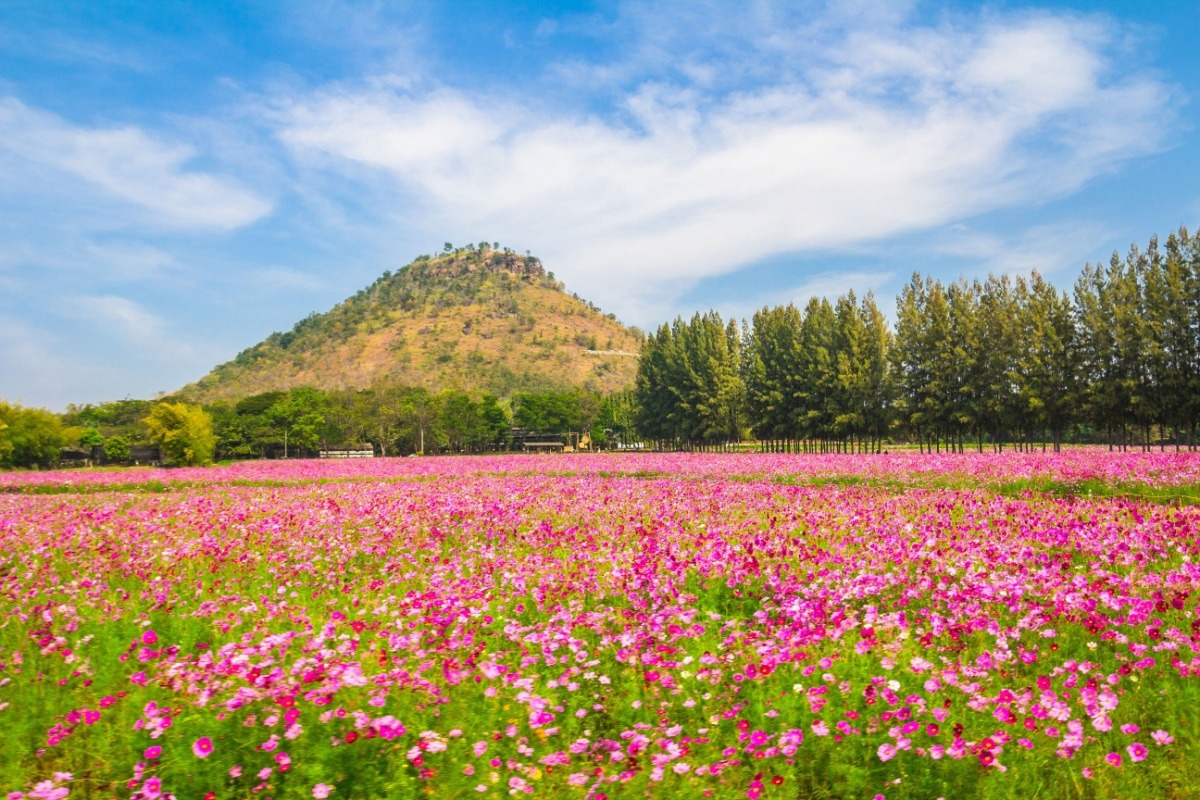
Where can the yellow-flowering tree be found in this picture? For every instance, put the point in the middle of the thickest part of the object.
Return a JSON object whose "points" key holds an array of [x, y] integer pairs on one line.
{"points": [[184, 433]]}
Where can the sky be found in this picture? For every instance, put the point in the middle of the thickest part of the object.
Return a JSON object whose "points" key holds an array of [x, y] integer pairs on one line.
{"points": [[178, 180]]}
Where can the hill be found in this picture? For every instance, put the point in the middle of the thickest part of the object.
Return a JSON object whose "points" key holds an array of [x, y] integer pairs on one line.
{"points": [[477, 318]]}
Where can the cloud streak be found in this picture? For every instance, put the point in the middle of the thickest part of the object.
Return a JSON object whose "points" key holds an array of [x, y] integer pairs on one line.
{"points": [[129, 165], [872, 134]]}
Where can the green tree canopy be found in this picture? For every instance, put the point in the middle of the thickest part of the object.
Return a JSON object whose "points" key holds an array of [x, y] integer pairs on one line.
{"points": [[184, 432], [117, 449], [29, 437], [300, 414]]}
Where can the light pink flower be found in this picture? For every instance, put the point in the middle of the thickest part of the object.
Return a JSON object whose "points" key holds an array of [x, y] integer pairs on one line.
{"points": [[1162, 738], [202, 747]]}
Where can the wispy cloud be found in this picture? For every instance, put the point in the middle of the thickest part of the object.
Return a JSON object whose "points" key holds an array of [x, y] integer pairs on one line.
{"points": [[135, 326], [131, 165], [1054, 250], [829, 285], [864, 133], [35, 367]]}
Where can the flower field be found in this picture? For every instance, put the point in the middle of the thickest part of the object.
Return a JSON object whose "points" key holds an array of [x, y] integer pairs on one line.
{"points": [[743, 626]]}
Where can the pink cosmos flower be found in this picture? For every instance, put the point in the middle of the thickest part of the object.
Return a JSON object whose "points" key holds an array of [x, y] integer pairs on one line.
{"points": [[321, 791], [152, 788], [886, 751], [1137, 751], [152, 752], [202, 747], [1114, 759], [1162, 738]]}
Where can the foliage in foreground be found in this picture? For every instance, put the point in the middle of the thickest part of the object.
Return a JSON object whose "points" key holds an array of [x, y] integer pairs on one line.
{"points": [[488, 627]]}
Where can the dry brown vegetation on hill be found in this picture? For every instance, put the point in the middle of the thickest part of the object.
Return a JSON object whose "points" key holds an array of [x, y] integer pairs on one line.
{"points": [[477, 318]]}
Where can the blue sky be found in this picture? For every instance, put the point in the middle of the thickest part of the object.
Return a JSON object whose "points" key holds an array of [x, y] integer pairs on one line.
{"points": [[178, 180]]}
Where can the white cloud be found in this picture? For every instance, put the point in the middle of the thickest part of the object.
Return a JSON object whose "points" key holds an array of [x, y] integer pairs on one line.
{"points": [[129, 165], [131, 319], [34, 369], [829, 285], [871, 132], [1055, 250], [143, 331]]}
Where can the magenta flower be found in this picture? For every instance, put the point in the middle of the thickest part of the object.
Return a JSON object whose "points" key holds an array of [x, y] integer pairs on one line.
{"points": [[1137, 751], [152, 752], [152, 788], [1162, 738], [202, 747], [1114, 759], [886, 751]]}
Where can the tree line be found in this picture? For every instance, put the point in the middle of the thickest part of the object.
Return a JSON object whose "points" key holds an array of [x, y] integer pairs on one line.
{"points": [[391, 419], [999, 362]]}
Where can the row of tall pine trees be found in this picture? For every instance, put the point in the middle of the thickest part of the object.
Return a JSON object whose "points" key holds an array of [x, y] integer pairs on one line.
{"points": [[987, 363]]}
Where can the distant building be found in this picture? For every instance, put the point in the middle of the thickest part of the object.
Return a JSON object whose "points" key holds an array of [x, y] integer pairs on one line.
{"points": [[146, 454], [75, 457], [345, 452], [543, 447]]}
